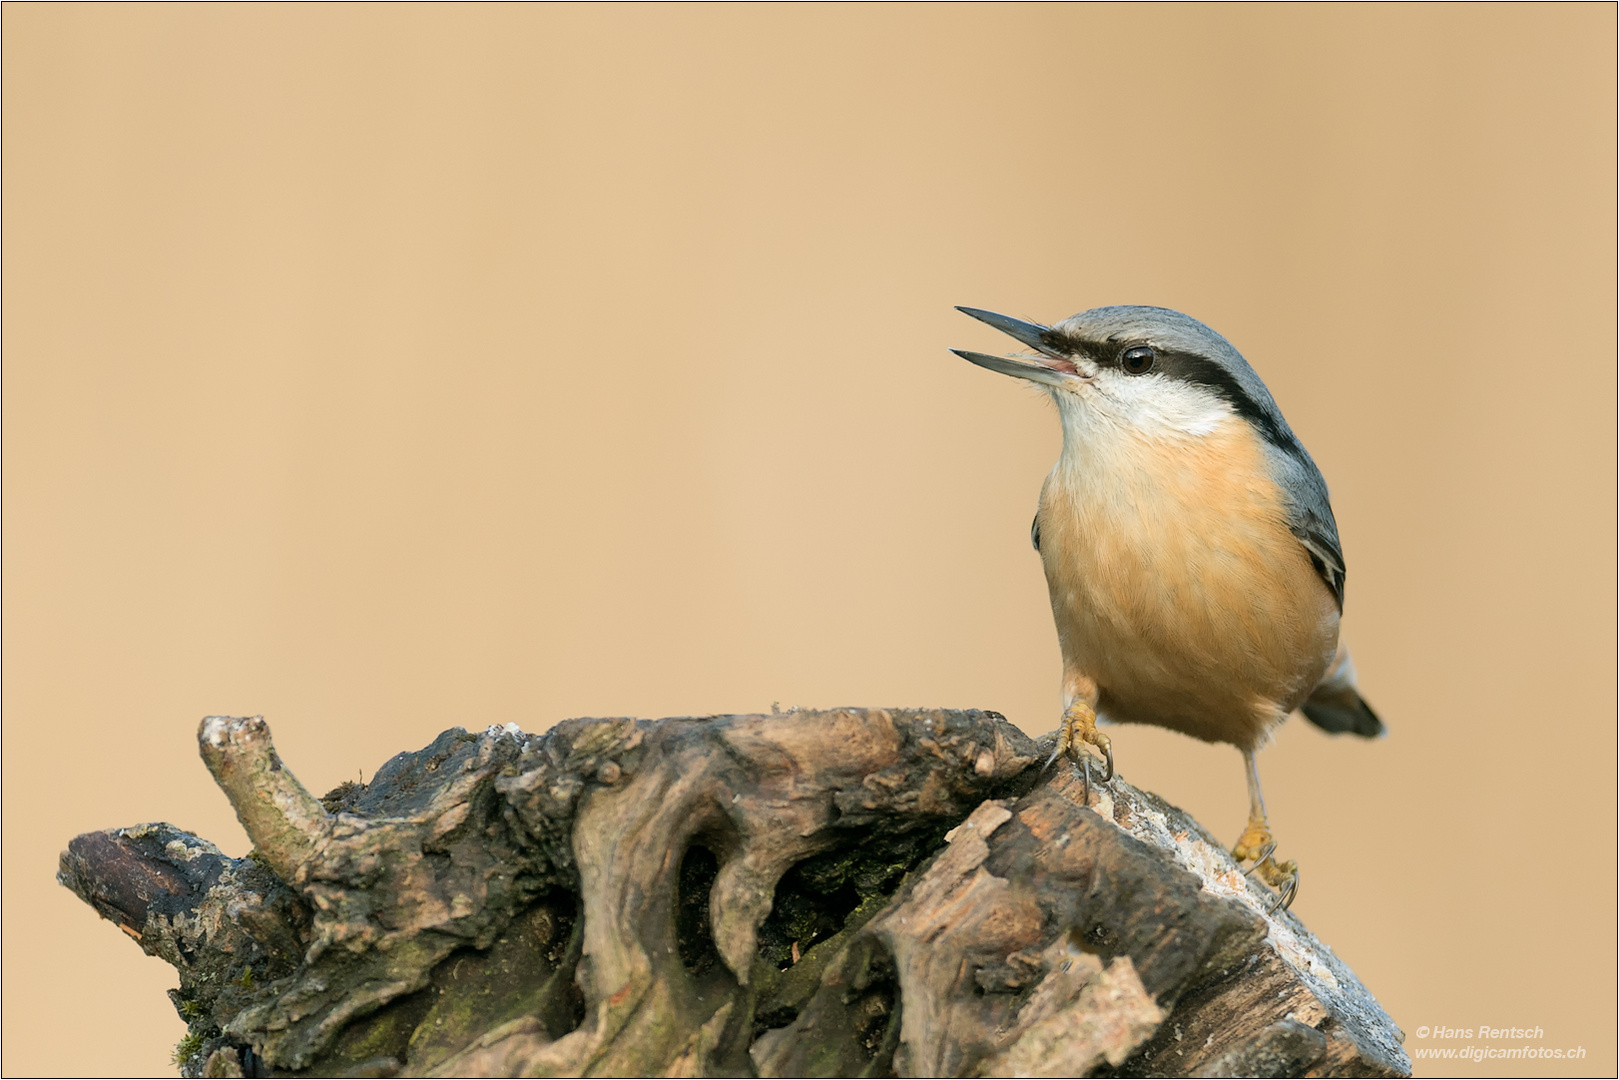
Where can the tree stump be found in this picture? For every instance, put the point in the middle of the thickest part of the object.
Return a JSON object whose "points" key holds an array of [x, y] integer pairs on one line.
{"points": [[854, 892]]}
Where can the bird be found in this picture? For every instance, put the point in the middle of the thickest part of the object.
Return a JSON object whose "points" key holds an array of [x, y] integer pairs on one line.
{"points": [[1189, 547]]}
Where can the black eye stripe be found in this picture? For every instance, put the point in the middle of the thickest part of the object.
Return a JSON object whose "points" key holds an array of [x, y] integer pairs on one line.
{"points": [[1198, 370], [1201, 371]]}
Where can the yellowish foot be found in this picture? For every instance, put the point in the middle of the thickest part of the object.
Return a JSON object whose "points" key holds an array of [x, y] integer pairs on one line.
{"points": [[1255, 841], [1257, 846], [1078, 728]]}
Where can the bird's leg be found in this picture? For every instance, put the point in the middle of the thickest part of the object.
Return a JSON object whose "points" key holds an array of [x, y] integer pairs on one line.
{"points": [[1256, 843], [1079, 726]]}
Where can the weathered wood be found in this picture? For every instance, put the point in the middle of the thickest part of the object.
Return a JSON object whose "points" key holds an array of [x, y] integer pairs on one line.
{"points": [[841, 893]]}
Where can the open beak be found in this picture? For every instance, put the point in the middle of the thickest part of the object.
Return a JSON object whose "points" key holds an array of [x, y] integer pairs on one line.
{"points": [[1048, 368]]}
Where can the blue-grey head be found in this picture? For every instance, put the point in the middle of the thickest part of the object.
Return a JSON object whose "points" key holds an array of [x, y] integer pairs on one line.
{"points": [[1164, 374]]}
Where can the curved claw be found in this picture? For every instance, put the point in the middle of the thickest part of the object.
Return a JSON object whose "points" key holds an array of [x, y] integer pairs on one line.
{"points": [[1107, 752], [1259, 860], [1285, 900]]}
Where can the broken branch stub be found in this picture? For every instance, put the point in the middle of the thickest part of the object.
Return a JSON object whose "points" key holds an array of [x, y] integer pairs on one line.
{"points": [[282, 819], [838, 893]]}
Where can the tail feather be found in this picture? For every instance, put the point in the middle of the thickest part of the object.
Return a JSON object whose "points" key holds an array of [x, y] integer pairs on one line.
{"points": [[1335, 704], [1337, 716]]}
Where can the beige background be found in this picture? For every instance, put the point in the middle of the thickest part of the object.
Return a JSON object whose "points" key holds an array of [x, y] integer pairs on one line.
{"points": [[383, 369]]}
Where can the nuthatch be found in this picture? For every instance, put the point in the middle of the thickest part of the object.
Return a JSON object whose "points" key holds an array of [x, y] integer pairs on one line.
{"points": [[1189, 546]]}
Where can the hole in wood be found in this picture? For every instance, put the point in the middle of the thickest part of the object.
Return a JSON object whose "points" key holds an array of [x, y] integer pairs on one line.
{"points": [[694, 938], [874, 1012]]}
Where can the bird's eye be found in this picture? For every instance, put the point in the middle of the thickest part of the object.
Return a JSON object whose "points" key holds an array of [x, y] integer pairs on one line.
{"points": [[1139, 360]]}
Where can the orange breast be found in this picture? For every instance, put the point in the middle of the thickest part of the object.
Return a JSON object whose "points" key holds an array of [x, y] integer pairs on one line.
{"points": [[1178, 588]]}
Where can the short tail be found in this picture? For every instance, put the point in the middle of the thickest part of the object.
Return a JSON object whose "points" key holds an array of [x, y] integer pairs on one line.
{"points": [[1335, 704]]}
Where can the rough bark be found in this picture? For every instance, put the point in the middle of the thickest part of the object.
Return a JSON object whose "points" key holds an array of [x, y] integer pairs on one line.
{"points": [[842, 893]]}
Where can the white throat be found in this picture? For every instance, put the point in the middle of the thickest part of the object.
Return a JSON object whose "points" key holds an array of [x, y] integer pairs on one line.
{"points": [[1113, 410]]}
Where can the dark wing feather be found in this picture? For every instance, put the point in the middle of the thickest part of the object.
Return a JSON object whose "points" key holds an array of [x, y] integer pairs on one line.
{"points": [[1325, 554], [1309, 514]]}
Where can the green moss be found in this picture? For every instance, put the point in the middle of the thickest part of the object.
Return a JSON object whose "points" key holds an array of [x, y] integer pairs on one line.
{"points": [[527, 972], [817, 898], [819, 906], [384, 1033], [188, 1047], [341, 798]]}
